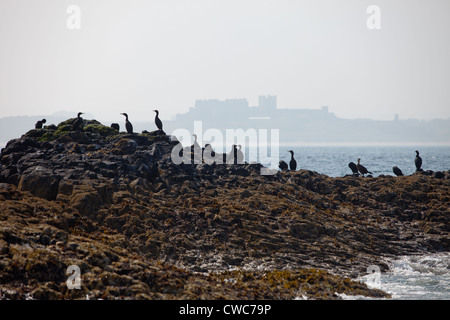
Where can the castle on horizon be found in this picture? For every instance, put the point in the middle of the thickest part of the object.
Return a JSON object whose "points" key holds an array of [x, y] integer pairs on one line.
{"points": [[297, 125], [232, 110]]}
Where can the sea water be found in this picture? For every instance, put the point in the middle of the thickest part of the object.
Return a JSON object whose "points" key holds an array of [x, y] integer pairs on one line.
{"points": [[333, 160], [421, 277]]}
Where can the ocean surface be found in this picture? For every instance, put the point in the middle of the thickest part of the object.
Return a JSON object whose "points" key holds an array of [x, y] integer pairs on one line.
{"points": [[333, 161]]}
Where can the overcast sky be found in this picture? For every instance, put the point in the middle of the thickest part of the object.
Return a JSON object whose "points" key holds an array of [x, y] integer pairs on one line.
{"points": [[133, 56]]}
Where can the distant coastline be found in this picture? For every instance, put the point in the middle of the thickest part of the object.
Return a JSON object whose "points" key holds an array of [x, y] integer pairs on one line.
{"points": [[297, 127]]}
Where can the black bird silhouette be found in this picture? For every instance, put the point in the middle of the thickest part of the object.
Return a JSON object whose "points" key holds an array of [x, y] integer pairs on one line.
{"points": [[78, 122], [239, 155], [361, 168], [128, 124], [115, 126], [292, 163], [158, 121], [231, 157], [418, 161], [354, 168], [397, 171], [39, 124], [196, 151], [283, 165], [208, 154]]}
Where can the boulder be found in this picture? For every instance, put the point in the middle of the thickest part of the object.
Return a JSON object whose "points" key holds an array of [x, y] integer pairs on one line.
{"points": [[41, 182]]}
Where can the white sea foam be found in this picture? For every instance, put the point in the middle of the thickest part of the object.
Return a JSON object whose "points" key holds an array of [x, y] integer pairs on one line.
{"points": [[425, 277]]}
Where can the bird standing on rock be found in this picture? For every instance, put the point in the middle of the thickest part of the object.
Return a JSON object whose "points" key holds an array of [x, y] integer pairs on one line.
{"points": [[239, 155], [128, 124], [397, 171], [231, 156], [208, 154], [418, 161], [39, 124], [196, 151], [283, 165], [353, 167], [158, 121], [361, 168], [292, 163], [78, 122]]}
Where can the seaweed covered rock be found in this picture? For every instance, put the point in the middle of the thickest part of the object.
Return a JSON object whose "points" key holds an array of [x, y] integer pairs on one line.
{"points": [[142, 227]]}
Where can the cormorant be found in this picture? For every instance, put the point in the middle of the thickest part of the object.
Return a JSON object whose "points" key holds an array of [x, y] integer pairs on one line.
{"points": [[239, 155], [78, 122], [158, 121], [230, 158], [418, 161], [292, 163], [115, 126], [128, 124], [195, 146], [397, 171], [39, 124], [361, 168], [283, 165], [353, 167], [208, 154], [196, 151]]}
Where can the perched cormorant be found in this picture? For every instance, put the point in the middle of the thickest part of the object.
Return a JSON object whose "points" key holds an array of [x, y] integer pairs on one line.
{"points": [[195, 145], [115, 126], [208, 154], [128, 124], [418, 161], [354, 168], [283, 165], [158, 121], [196, 151], [231, 156], [397, 171], [292, 163], [361, 168], [78, 122], [239, 155], [39, 124]]}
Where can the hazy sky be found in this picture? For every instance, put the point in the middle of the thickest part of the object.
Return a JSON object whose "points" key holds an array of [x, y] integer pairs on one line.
{"points": [[132, 56]]}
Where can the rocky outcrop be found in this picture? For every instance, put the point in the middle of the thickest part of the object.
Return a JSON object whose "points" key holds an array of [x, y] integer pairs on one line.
{"points": [[142, 227]]}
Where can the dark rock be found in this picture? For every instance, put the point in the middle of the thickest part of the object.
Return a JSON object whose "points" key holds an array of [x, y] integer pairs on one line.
{"points": [[41, 182], [246, 194], [116, 205], [44, 240], [439, 175], [51, 127]]}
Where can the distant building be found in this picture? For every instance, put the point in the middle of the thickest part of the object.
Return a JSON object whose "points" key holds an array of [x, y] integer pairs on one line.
{"points": [[232, 110], [267, 103]]}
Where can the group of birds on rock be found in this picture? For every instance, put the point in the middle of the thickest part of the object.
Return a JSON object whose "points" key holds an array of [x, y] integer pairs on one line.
{"points": [[360, 169], [292, 163], [129, 126], [78, 122], [208, 155], [357, 168], [235, 156]]}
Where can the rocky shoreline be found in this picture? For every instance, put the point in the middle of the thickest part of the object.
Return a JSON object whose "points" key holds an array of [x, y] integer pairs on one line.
{"points": [[141, 227]]}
